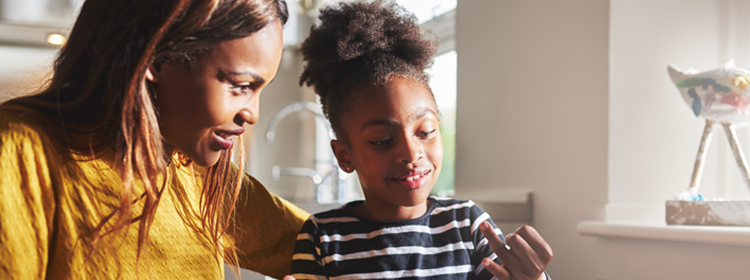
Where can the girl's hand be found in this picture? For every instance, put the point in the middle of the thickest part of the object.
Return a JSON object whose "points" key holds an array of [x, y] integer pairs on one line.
{"points": [[525, 258], [288, 277]]}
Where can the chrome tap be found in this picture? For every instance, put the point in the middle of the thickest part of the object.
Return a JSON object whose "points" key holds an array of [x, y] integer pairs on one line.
{"points": [[295, 107], [333, 181]]}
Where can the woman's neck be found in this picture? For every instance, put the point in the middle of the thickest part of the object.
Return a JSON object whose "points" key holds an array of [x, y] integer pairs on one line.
{"points": [[168, 148]]}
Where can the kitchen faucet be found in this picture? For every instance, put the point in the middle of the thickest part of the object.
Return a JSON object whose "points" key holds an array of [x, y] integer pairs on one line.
{"points": [[334, 180]]}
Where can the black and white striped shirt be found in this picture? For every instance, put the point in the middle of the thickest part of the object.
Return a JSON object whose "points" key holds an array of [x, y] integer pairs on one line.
{"points": [[445, 243]]}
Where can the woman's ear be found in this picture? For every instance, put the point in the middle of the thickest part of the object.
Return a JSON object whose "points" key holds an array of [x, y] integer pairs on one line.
{"points": [[343, 156], [152, 75]]}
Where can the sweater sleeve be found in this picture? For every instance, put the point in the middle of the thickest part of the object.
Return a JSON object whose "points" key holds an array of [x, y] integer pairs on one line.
{"points": [[306, 262], [26, 201], [482, 247], [265, 229]]}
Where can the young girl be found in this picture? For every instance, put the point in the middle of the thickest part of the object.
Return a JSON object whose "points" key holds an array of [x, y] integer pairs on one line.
{"points": [[366, 61], [119, 168]]}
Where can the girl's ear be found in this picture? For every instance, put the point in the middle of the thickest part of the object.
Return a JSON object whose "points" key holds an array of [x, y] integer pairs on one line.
{"points": [[152, 75], [343, 156]]}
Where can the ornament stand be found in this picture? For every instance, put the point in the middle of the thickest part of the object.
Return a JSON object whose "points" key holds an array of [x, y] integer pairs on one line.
{"points": [[718, 212]]}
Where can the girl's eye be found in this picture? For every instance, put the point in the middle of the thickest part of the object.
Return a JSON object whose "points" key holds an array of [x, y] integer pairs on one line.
{"points": [[427, 134], [382, 142]]}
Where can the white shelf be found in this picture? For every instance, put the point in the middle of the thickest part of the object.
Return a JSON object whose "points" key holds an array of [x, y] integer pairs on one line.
{"points": [[712, 235]]}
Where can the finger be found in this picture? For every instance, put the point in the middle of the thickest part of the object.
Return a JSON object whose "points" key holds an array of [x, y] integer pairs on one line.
{"points": [[537, 243], [507, 258], [529, 266], [288, 277], [496, 269]]}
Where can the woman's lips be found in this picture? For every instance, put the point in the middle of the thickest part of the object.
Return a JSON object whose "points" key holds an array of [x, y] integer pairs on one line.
{"points": [[224, 143], [225, 138], [413, 179]]}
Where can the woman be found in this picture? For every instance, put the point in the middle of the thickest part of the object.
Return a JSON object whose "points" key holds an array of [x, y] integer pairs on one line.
{"points": [[121, 168]]}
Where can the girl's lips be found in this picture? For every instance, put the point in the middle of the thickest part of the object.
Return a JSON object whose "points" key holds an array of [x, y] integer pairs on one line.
{"points": [[413, 179]]}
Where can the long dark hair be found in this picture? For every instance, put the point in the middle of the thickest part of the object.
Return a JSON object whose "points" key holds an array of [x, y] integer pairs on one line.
{"points": [[98, 99]]}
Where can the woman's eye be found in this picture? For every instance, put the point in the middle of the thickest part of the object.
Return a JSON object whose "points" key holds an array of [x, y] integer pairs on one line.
{"points": [[245, 87]]}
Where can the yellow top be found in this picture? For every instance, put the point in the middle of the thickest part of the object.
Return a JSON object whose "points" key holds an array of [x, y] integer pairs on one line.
{"points": [[50, 204]]}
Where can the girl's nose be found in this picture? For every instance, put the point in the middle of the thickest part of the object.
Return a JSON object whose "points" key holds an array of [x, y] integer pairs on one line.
{"points": [[411, 151]]}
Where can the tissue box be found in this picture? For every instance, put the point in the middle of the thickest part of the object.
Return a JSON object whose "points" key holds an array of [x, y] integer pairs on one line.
{"points": [[710, 213]]}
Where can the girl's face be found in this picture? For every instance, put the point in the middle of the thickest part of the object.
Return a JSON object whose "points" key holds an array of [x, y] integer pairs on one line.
{"points": [[203, 107], [394, 145]]}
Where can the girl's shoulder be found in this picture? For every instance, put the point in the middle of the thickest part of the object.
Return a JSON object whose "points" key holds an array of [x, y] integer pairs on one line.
{"points": [[457, 208], [452, 203]]}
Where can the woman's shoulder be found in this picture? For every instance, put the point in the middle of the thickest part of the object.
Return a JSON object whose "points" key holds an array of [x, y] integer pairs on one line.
{"points": [[15, 129]]}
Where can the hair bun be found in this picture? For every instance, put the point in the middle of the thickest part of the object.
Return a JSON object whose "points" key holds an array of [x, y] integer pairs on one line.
{"points": [[352, 30], [360, 43]]}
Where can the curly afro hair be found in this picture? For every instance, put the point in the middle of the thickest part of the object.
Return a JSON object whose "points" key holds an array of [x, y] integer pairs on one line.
{"points": [[360, 44]]}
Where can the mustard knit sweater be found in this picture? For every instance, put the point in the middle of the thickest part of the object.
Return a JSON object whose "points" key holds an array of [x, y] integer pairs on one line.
{"points": [[50, 204]]}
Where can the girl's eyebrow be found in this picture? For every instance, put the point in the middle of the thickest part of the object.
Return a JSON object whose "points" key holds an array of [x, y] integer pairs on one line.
{"points": [[379, 122], [417, 116], [422, 114]]}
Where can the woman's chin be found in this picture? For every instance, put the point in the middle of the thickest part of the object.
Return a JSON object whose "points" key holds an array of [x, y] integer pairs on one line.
{"points": [[207, 160], [204, 159]]}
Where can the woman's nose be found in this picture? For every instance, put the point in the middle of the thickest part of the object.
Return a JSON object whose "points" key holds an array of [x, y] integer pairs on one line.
{"points": [[249, 113]]}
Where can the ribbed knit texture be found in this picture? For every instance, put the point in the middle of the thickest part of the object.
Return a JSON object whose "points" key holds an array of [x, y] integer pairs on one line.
{"points": [[50, 204]]}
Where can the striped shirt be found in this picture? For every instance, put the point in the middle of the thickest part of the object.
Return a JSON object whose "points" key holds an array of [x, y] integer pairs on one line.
{"points": [[445, 243]]}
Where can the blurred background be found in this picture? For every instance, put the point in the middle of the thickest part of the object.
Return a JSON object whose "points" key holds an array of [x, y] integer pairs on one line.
{"points": [[557, 113]]}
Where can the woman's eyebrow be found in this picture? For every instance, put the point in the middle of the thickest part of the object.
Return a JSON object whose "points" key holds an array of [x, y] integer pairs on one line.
{"points": [[255, 76]]}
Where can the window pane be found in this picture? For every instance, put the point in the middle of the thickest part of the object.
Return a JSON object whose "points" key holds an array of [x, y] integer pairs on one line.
{"points": [[443, 84], [426, 10]]}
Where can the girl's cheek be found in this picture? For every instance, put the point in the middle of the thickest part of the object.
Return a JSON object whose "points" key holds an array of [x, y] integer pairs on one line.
{"points": [[437, 147]]}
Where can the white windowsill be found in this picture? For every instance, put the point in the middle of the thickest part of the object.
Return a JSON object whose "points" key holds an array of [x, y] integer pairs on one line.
{"points": [[713, 235]]}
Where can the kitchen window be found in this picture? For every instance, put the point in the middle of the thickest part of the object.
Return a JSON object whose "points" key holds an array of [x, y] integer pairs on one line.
{"points": [[439, 17]]}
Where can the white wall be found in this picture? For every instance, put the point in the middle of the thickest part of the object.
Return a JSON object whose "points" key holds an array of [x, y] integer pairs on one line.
{"points": [[21, 69], [654, 136], [572, 99], [532, 113]]}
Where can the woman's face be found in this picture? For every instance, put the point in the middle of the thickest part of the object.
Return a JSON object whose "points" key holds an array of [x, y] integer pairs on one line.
{"points": [[394, 145], [203, 107]]}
